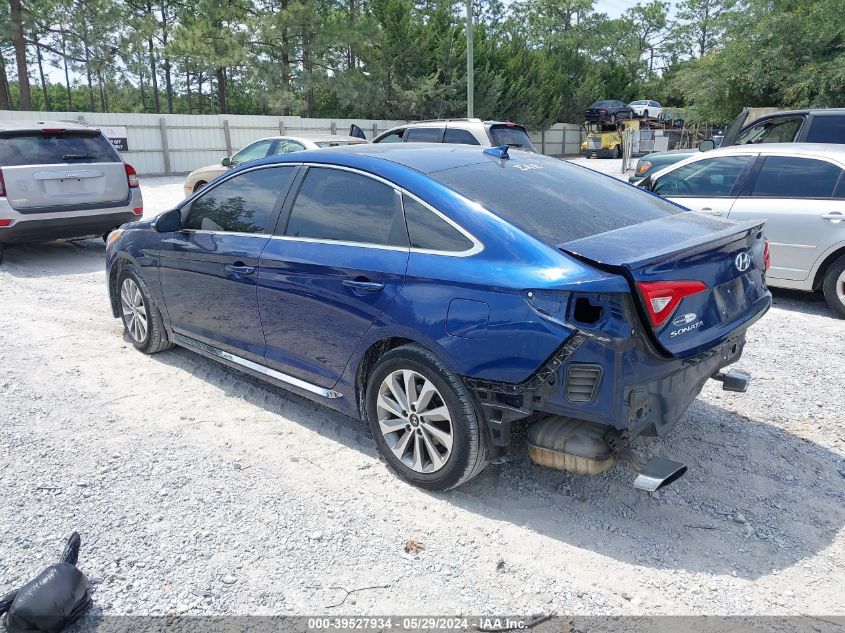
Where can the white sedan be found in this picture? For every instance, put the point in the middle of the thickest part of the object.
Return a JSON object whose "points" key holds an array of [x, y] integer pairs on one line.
{"points": [[645, 109], [270, 146]]}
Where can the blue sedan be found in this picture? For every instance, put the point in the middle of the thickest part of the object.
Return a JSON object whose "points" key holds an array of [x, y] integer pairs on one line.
{"points": [[444, 294]]}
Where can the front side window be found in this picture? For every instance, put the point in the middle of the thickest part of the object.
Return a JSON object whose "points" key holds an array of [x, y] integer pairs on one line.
{"points": [[245, 203], [710, 178], [424, 135], [252, 152], [429, 231], [770, 131], [792, 177], [457, 135], [338, 205], [393, 137]]}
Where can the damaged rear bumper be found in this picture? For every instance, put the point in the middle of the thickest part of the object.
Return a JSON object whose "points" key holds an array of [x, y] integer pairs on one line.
{"points": [[619, 384]]}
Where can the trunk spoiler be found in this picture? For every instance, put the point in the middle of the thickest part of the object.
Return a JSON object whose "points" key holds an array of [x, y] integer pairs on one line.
{"points": [[662, 239]]}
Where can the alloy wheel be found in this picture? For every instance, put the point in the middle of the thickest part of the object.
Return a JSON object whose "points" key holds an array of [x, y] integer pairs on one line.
{"points": [[134, 310], [415, 421], [840, 287]]}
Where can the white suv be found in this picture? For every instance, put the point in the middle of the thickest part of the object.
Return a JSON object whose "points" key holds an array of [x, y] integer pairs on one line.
{"points": [[62, 180], [462, 131]]}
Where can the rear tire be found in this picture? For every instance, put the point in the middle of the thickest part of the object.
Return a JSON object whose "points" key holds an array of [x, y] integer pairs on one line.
{"points": [[2, 248], [834, 287], [645, 114], [433, 439], [141, 317], [617, 152]]}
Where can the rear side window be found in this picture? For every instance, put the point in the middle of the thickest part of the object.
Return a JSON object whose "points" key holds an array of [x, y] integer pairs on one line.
{"points": [[713, 177], [338, 205], [456, 135], [771, 131], [554, 200], [792, 177], [429, 231], [510, 135], [245, 203], [827, 129], [39, 148], [423, 135]]}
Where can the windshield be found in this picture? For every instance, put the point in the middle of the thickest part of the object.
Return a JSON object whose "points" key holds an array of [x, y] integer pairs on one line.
{"points": [[41, 148], [554, 200], [514, 136]]}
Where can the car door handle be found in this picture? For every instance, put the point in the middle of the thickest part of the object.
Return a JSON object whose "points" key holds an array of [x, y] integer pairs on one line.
{"points": [[836, 216], [239, 268], [710, 211], [361, 284]]}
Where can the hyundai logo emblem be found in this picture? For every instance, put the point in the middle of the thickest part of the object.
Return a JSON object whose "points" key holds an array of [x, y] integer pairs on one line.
{"points": [[685, 319], [743, 262]]}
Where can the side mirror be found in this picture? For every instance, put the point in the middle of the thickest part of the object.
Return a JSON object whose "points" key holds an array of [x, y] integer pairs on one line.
{"points": [[169, 221], [226, 162], [706, 146], [646, 183]]}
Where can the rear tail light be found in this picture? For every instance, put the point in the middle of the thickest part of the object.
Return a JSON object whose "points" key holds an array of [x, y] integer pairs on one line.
{"points": [[53, 130], [2, 185], [662, 297], [5, 222], [767, 258], [138, 210], [131, 176]]}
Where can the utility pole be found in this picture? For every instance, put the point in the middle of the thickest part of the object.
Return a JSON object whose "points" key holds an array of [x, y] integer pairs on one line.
{"points": [[470, 66]]}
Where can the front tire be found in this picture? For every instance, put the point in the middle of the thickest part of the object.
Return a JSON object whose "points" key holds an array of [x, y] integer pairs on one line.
{"points": [[199, 185], [141, 318], [617, 152], [424, 420], [834, 287]]}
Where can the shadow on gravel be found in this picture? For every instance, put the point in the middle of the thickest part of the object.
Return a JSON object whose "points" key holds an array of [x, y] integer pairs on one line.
{"points": [[54, 258], [805, 302], [756, 499]]}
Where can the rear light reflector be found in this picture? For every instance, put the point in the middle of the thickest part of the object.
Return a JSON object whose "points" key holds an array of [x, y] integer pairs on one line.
{"points": [[131, 176], [138, 210], [767, 258], [2, 185], [662, 297], [5, 222]]}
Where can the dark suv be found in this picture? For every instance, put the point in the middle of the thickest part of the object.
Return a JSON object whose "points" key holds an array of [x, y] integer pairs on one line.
{"points": [[793, 126]]}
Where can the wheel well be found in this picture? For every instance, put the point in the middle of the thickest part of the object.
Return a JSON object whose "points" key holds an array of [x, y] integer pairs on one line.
{"points": [[827, 263], [114, 275], [199, 184], [365, 367]]}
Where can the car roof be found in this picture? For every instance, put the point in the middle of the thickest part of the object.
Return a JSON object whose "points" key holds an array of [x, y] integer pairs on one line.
{"points": [[833, 149], [456, 120], [37, 126]]}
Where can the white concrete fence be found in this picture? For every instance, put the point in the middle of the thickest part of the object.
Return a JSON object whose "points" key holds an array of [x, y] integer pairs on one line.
{"points": [[179, 143]]}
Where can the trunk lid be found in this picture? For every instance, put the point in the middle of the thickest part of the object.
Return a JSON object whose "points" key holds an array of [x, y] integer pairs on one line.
{"points": [[711, 270], [58, 169]]}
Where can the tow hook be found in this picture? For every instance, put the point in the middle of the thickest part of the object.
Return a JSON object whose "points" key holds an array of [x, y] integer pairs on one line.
{"points": [[734, 380]]}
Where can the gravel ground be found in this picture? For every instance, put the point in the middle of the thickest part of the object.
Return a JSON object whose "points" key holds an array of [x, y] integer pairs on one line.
{"points": [[199, 490]]}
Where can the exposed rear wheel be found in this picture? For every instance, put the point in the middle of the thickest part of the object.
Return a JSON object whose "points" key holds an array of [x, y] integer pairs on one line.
{"points": [[141, 318], [424, 420], [834, 287]]}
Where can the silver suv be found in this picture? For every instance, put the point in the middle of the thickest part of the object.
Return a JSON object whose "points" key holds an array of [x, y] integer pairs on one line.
{"points": [[62, 180], [463, 131]]}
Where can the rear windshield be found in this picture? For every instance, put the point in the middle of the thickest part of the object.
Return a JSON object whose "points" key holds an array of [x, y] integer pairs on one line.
{"points": [[513, 136], [554, 200], [39, 148]]}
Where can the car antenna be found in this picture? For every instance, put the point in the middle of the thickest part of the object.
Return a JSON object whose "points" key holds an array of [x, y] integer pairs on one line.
{"points": [[499, 152]]}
